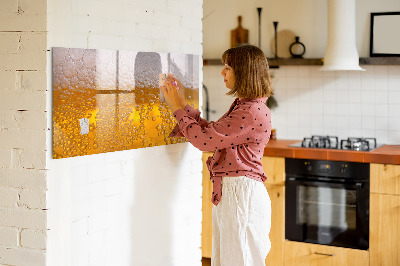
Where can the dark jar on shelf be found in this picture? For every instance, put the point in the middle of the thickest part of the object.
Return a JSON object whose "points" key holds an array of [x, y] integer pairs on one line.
{"points": [[297, 49]]}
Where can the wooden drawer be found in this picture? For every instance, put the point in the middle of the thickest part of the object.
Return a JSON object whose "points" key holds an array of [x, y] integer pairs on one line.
{"points": [[304, 254], [385, 178]]}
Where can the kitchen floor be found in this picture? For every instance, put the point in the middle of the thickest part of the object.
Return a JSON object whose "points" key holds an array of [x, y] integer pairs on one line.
{"points": [[206, 261]]}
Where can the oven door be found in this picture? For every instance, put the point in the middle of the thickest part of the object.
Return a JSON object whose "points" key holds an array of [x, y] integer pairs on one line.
{"points": [[327, 213]]}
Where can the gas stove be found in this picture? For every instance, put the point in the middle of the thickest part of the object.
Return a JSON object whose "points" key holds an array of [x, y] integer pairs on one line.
{"points": [[332, 142]]}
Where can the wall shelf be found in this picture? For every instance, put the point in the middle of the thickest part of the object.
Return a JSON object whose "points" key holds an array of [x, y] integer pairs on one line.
{"points": [[380, 61], [274, 63]]}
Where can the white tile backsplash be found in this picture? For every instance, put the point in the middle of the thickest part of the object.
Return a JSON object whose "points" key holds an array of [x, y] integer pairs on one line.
{"points": [[343, 103]]}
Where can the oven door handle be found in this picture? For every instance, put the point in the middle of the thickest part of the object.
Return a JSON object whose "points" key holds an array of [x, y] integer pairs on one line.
{"points": [[352, 185]]}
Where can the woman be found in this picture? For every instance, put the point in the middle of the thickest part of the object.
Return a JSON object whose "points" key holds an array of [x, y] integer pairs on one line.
{"points": [[242, 208]]}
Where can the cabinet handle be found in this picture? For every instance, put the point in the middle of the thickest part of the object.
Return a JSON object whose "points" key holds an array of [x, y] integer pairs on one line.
{"points": [[324, 254]]}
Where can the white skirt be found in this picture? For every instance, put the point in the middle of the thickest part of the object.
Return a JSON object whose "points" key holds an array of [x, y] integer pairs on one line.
{"points": [[241, 223]]}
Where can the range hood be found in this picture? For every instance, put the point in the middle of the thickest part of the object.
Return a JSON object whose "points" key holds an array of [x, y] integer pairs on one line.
{"points": [[341, 51]]}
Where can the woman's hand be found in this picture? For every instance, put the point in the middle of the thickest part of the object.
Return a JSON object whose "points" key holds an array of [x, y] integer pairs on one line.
{"points": [[174, 93]]}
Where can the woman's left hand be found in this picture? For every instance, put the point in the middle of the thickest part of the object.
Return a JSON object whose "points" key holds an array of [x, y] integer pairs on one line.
{"points": [[171, 94]]}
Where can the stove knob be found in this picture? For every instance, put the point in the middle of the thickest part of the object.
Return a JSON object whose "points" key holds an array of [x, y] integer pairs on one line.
{"points": [[343, 168], [308, 166]]}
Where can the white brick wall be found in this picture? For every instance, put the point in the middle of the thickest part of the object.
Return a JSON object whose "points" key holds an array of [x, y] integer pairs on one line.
{"points": [[23, 128], [136, 207]]}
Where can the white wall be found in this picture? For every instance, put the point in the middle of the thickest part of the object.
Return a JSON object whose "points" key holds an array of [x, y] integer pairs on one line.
{"points": [[305, 18], [311, 102], [135, 207], [23, 133]]}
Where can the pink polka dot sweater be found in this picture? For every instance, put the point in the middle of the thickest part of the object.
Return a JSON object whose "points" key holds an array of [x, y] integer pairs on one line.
{"points": [[238, 139]]}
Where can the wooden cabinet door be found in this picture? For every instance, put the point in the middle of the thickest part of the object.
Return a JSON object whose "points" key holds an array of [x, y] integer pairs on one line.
{"points": [[206, 226], [304, 254], [384, 236], [274, 168], [385, 178], [277, 233]]}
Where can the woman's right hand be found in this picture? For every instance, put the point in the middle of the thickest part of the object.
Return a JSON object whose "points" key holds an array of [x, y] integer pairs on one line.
{"points": [[181, 91], [174, 93]]}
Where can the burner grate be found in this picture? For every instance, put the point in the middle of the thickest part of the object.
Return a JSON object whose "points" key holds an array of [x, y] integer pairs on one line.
{"points": [[358, 144], [327, 142]]}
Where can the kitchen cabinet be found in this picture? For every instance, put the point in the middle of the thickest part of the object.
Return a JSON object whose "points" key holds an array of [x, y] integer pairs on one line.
{"points": [[274, 168], [385, 178], [385, 214], [305, 254], [206, 226]]}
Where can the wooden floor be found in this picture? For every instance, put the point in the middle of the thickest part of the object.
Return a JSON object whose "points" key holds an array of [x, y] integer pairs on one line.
{"points": [[206, 261]]}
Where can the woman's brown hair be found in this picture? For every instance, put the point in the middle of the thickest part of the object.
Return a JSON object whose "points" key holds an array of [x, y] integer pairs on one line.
{"points": [[250, 66]]}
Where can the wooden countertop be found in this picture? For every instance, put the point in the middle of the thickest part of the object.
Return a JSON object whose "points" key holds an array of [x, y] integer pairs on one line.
{"points": [[389, 154]]}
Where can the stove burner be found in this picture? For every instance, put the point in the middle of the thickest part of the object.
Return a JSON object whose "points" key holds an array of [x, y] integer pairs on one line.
{"points": [[332, 142], [358, 144], [328, 142]]}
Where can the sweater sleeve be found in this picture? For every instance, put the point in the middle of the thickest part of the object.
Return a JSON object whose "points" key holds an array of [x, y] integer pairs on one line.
{"points": [[193, 113], [231, 130]]}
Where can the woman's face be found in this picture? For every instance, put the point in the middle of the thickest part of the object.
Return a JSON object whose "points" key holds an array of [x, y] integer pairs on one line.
{"points": [[229, 76]]}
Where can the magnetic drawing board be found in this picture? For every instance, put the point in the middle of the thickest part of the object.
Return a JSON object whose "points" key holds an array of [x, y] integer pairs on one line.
{"points": [[109, 100]]}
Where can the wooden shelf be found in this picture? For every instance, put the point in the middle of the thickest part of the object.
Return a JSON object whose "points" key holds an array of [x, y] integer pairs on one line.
{"points": [[273, 62], [380, 61]]}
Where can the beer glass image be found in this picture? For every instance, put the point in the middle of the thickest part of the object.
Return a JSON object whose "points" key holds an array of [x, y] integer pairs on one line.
{"points": [[109, 100]]}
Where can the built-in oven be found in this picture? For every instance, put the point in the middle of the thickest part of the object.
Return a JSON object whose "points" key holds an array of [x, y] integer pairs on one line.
{"points": [[327, 202]]}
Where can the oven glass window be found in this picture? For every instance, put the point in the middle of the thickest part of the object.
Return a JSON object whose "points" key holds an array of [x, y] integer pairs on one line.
{"points": [[327, 207]]}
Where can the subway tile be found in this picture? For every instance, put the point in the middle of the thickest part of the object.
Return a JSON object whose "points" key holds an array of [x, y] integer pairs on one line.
{"points": [[368, 122], [394, 83], [292, 82], [342, 122], [328, 74], [367, 96], [304, 72], [394, 137], [342, 96], [367, 133], [315, 72], [394, 70], [381, 97], [329, 122], [367, 110], [317, 107], [317, 95], [342, 109], [329, 94], [355, 109], [380, 84], [355, 132], [382, 136], [381, 110], [394, 123], [355, 96], [316, 83], [394, 110], [394, 97], [380, 71], [342, 80], [291, 71], [367, 82], [355, 122], [304, 82], [382, 123], [329, 109], [354, 82]]}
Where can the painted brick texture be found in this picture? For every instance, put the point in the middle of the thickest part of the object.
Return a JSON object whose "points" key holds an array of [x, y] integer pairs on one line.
{"points": [[23, 218], [135, 207]]}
